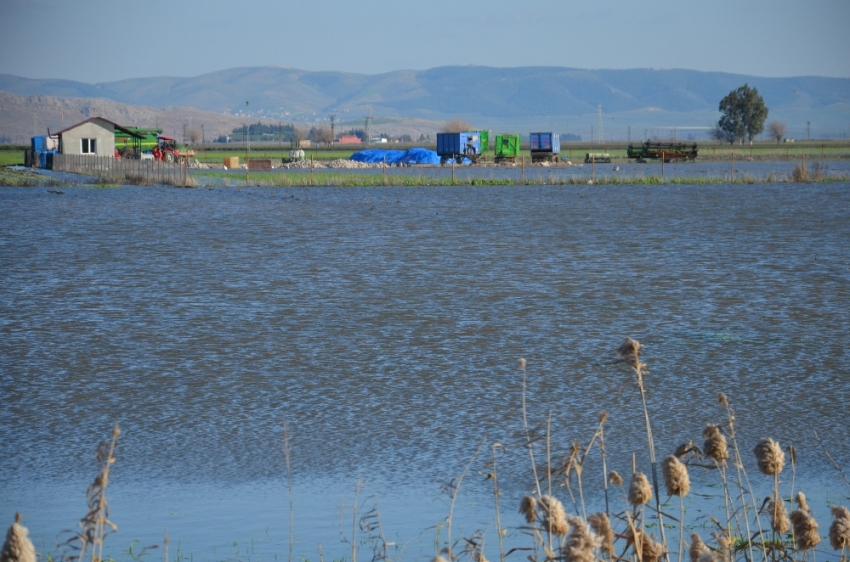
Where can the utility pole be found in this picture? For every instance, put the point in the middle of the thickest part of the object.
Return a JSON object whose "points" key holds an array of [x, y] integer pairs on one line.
{"points": [[599, 123], [332, 117], [808, 130], [630, 134], [369, 127]]}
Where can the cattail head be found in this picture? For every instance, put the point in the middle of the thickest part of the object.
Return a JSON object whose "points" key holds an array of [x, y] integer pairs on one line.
{"points": [[675, 477], [603, 417], [805, 526], [521, 363], [602, 526], [770, 457], [839, 531], [648, 551], [615, 478], [698, 548], [722, 400], [640, 491], [715, 446], [582, 543], [724, 542], [18, 547], [527, 507], [629, 353], [554, 516], [779, 521]]}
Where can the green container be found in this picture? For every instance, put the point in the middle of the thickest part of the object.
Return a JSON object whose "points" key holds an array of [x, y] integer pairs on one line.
{"points": [[485, 139], [507, 146], [149, 141]]}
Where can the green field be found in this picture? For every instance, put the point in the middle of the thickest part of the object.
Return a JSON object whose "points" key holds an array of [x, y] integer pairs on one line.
{"points": [[14, 157], [573, 151]]}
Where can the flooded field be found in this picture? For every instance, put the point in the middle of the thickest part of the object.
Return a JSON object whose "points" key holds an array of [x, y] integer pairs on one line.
{"points": [[382, 327]]}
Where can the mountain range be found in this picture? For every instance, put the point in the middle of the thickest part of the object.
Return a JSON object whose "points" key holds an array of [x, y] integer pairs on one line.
{"points": [[620, 102]]}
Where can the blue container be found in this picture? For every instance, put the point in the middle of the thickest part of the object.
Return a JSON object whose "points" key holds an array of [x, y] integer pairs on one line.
{"points": [[545, 142], [459, 144], [38, 144], [45, 159]]}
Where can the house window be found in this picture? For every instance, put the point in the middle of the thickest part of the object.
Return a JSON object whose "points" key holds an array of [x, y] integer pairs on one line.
{"points": [[89, 146]]}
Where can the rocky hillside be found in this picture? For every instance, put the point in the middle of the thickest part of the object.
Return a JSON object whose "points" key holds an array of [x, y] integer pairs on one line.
{"points": [[24, 116]]}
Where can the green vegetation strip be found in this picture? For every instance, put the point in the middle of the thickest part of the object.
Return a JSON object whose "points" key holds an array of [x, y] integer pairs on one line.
{"points": [[324, 179]]}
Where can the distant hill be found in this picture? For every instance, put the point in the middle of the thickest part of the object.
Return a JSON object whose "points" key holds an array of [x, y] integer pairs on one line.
{"points": [[22, 117], [563, 99]]}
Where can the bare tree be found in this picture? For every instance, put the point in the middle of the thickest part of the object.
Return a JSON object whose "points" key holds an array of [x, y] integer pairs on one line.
{"points": [[298, 135], [456, 126], [777, 130], [323, 134], [332, 118], [193, 135]]}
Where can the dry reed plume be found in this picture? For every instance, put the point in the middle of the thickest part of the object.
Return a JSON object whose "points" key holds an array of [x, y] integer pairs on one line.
{"points": [[770, 457], [805, 527], [615, 478], [779, 521], [95, 525], [582, 543], [640, 491], [646, 549], [675, 476], [18, 547], [698, 548], [602, 526], [715, 446], [554, 516], [839, 531], [528, 507]]}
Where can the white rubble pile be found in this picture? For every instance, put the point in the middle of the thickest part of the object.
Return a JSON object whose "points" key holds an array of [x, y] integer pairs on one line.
{"points": [[339, 163]]}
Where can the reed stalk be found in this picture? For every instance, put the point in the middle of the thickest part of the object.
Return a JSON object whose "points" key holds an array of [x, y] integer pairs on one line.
{"points": [[287, 451], [495, 475], [525, 425], [629, 352], [454, 489]]}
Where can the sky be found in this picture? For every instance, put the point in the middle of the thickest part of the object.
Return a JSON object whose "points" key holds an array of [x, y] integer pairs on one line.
{"points": [[102, 41]]}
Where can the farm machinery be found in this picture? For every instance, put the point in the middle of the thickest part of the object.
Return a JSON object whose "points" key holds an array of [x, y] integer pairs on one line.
{"points": [[668, 151], [150, 142]]}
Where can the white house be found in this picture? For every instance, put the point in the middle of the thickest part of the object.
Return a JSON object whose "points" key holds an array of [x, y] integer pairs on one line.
{"points": [[94, 136]]}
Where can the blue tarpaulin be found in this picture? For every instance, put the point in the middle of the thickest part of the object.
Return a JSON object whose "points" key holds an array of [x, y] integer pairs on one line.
{"points": [[393, 157]]}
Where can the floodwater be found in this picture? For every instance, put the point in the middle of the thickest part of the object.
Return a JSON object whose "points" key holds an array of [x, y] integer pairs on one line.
{"points": [[382, 328]]}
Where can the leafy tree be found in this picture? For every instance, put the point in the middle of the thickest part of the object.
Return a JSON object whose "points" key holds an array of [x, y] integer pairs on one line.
{"points": [[777, 130], [744, 113]]}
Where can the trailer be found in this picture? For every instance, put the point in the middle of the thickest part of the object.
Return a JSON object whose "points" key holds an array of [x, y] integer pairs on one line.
{"points": [[597, 157], [545, 147], [507, 148], [129, 146], [458, 146], [668, 151]]}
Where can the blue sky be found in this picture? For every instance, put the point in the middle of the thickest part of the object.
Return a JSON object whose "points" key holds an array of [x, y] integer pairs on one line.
{"points": [[102, 41]]}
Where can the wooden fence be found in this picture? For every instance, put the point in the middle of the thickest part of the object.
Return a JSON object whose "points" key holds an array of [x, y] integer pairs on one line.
{"points": [[150, 172]]}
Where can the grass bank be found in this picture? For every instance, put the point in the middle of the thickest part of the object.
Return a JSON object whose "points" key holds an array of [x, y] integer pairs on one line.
{"points": [[811, 173]]}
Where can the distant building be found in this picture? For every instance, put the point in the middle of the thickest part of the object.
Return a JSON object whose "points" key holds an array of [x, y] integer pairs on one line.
{"points": [[349, 139], [95, 136]]}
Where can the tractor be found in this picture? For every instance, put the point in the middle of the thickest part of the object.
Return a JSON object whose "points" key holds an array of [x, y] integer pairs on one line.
{"points": [[167, 150]]}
